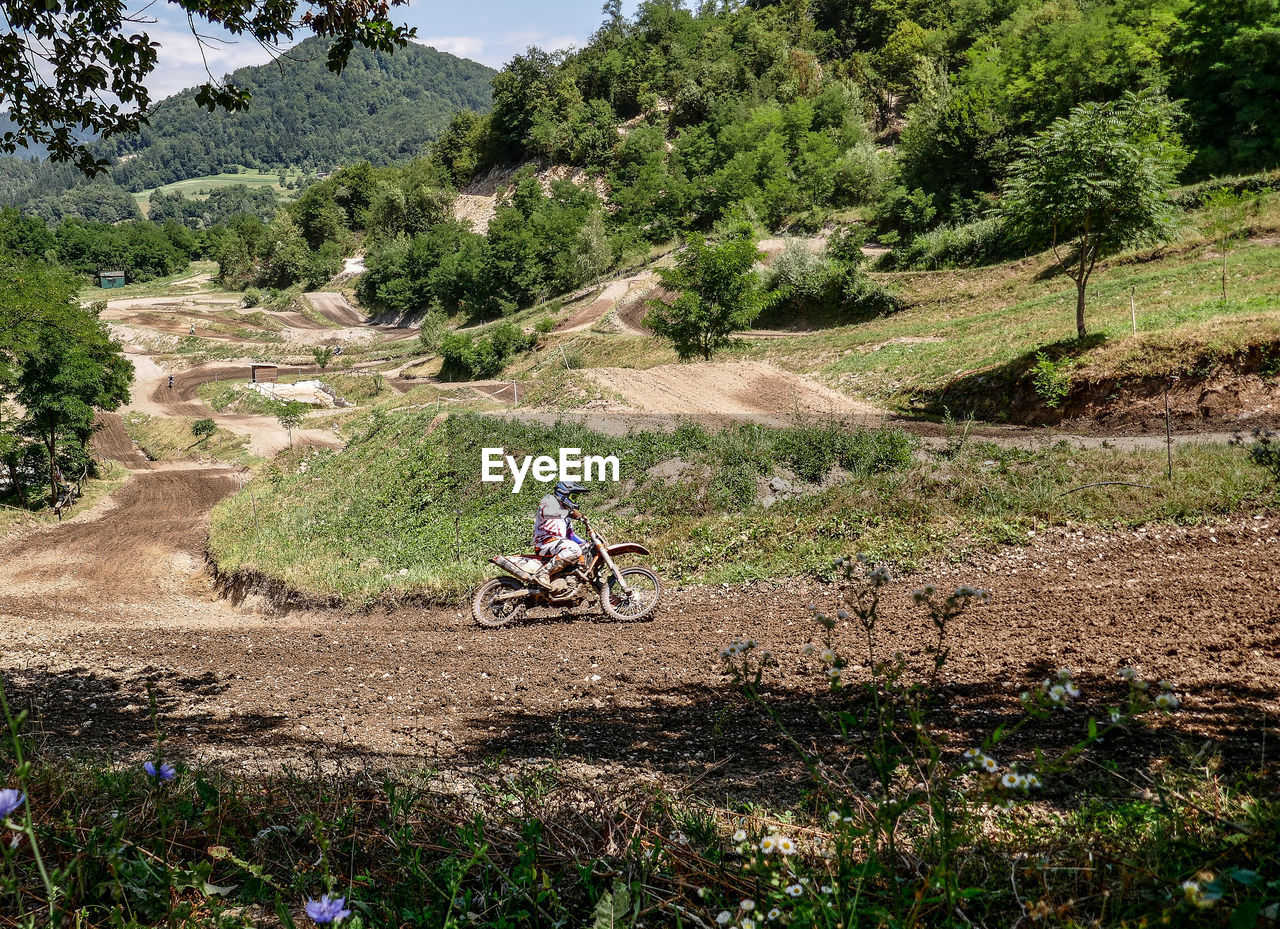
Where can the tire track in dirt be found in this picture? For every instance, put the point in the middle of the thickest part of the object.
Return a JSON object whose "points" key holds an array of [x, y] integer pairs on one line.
{"points": [[1198, 606], [131, 556], [110, 440], [725, 389]]}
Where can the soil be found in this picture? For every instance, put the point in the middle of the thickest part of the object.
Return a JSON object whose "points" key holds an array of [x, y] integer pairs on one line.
{"points": [[739, 388], [116, 598], [95, 609]]}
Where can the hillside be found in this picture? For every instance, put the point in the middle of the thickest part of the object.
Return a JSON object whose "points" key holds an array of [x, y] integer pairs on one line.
{"points": [[381, 108]]}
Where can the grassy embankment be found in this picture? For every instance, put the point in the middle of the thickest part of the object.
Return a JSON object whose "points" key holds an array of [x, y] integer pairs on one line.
{"points": [[169, 438], [995, 319], [14, 519], [198, 188], [379, 517]]}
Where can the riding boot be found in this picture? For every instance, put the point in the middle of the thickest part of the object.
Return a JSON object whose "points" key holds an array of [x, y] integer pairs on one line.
{"points": [[542, 577]]}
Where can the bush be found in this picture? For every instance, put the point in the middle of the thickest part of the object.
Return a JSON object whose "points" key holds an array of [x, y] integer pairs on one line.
{"points": [[799, 272], [1052, 379], [203, 428], [484, 357], [252, 297], [435, 324], [979, 242]]}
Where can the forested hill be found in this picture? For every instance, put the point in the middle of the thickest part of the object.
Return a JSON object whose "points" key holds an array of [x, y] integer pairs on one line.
{"points": [[379, 109]]}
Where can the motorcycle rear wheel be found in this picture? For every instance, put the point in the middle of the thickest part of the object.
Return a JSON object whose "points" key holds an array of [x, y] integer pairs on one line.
{"points": [[646, 591], [491, 614]]}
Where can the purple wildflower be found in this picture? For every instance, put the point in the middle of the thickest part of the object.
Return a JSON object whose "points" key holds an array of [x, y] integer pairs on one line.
{"points": [[10, 800], [163, 773], [327, 910]]}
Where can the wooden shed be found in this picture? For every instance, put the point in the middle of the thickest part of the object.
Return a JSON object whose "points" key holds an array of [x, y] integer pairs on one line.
{"points": [[264, 373]]}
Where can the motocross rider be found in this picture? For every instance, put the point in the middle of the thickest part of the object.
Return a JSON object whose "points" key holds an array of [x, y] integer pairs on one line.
{"points": [[553, 535]]}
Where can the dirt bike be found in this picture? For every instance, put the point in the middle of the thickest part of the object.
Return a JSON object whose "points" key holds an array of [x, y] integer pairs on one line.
{"points": [[629, 593]]}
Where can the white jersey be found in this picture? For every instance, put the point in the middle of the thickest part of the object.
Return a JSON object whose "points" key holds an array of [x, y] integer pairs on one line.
{"points": [[552, 522]]}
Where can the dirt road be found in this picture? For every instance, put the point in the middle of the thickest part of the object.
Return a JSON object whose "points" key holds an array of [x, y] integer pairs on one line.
{"points": [[725, 389], [93, 610]]}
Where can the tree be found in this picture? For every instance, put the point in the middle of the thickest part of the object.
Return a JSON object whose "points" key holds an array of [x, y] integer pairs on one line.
{"points": [[719, 294], [289, 415], [322, 355], [203, 428], [83, 64], [1225, 212], [73, 369], [1096, 180]]}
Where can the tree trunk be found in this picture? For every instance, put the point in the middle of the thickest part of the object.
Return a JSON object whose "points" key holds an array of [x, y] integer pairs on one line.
{"points": [[1082, 281], [52, 445], [1224, 272], [1080, 285], [18, 489]]}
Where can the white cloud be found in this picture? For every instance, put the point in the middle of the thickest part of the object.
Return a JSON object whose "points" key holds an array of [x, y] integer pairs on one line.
{"points": [[464, 46], [180, 63], [496, 50]]}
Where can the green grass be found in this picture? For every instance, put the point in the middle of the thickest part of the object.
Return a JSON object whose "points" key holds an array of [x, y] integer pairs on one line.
{"points": [[197, 188], [169, 438], [14, 519], [378, 518], [992, 319], [175, 285]]}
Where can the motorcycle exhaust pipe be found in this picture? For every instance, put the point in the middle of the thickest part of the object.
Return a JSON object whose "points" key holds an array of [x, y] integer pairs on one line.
{"points": [[506, 564]]}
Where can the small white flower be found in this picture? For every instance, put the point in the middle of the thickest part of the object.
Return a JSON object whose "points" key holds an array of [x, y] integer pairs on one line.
{"points": [[808, 650], [1072, 690], [786, 845], [990, 765], [740, 835], [747, 923], [1115, 716], [794, 890], [828, 656], [769, 844], [1058, 693], [1033, 781], [828, 889], [724, 917], [774, 914], [972, 754], [833, 673], [1009, 781], [747, 905], [1167, 701], [1128, 674], [833, 817]]}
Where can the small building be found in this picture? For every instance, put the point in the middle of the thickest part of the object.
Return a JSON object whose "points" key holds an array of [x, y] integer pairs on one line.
{"points": [[109, 279], [263, 373]]}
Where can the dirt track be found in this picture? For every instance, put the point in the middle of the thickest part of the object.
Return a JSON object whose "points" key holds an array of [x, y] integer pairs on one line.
{"points": [[727, 389], [92, 610]]}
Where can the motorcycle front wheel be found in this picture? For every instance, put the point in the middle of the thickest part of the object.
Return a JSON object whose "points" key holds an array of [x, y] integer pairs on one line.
{"points": [[645, 591], [491, 612]]}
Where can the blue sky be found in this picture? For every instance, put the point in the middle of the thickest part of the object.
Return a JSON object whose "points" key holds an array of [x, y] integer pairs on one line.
{"points": [[488, 31]]}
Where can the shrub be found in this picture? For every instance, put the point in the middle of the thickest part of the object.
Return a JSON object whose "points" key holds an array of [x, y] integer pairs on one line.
{"points": [[1052, 379], [1265, 450], [484, 357], [435, 325], [799, 272], [252, 297], [203, 428], [978, 242]]}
